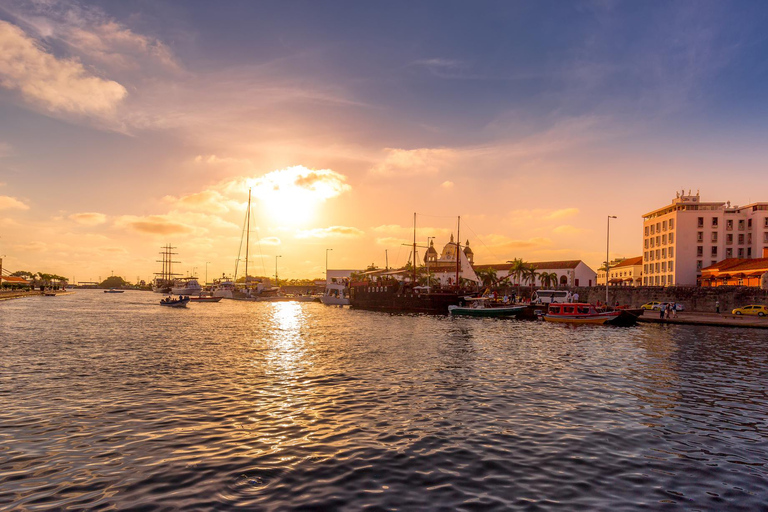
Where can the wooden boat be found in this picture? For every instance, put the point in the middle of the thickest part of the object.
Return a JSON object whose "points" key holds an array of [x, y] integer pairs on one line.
{"points": [[485, 307], [583, 313], [112, 290], [202, 298], [174, 303]]}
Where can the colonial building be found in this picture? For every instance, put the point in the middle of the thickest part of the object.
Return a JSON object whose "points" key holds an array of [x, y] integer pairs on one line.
{"points": [[682, 238], [736, 272], [569, 273], [443, 267], [623, 272]]}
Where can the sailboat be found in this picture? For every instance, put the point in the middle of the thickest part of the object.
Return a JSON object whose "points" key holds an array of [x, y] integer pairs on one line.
{"points": [[164, 280]]}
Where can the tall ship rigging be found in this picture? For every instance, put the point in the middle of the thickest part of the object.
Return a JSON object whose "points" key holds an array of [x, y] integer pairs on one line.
{"points": [[164, 280]]}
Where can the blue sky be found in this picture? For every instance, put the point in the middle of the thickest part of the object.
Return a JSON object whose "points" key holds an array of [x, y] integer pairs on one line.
{"points": [[533, 120]]}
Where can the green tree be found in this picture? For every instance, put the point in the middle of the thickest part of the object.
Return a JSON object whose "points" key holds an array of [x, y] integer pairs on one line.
{"points": [[518, 269], [488, 276], [113, 282]]}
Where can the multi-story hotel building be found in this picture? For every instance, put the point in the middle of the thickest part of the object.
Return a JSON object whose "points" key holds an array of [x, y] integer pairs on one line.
{"points": [[682, 238]]}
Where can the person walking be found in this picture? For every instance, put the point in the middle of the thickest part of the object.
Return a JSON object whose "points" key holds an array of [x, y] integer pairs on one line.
{"points": [[717, 307], [662, 310]]}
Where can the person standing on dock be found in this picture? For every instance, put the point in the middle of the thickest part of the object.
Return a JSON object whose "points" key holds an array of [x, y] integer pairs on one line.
{"points": [[717, 307], [662, 310]]}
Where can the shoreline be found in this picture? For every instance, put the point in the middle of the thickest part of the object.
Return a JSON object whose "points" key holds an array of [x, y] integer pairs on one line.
{"points": [[707, 319]]}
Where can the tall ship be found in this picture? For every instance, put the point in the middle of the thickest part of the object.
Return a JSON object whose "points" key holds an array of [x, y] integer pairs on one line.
{"points": [[415, 290], [164, 280]]}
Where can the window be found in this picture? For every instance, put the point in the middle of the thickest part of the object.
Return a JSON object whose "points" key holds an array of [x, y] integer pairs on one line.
{"points": [[741, 225], [657, 280], [645, 255], [669, 280], [701, 222], [714, 222], [646, 230], [645, 281], [765, 237], [671, 224], [671, 238], [671, 252], [749, 223], [729, 239], [700, 236], [714, 237], [713, 262], [728, 225], [658, 227], [714, 251], [765, 222], [670, 266], [700, 251], [663, 253], [664, 225], [663, 280], [698, 265], [658, 253], [741, 239], [658, 240], [645, 268], [663, 266], [741, 252], [645, 243], [749, 238], [749, 252], [657, 267], [729, 253], [653, 229], [664, 239], [651, 254]]}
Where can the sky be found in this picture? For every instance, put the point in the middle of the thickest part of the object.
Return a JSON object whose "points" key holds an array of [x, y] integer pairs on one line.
{"points": [[128, 125]]}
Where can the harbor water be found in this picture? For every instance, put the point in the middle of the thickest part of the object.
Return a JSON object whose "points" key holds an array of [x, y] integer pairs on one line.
{"points": [[109, 401]]}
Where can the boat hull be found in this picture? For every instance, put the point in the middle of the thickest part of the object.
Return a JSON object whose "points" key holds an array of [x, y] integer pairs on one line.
{"points": [[205, 299], [334, 301], [576, 319], [175, 303], [492, 312], [390, 298]]}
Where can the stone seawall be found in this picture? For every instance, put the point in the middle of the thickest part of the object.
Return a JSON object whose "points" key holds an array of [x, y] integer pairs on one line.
{"points": [[694, 298]]}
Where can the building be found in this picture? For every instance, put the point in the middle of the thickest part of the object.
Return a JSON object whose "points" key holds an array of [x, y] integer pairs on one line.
{"points": [[569, 273], [443, 267], [682, 238], [623, 272], [736, 272], [13, 282]]}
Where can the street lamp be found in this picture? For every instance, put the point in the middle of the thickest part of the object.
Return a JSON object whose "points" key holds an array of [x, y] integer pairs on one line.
{"points": [[276, 279], [607, 259], [326, 264]]}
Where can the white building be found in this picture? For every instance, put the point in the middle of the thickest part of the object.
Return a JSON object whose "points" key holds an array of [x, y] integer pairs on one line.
{"points": [[683, 237], [569, 273], [622, 272]]}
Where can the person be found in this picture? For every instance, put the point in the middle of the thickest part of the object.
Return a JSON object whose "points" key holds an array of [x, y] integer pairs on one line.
{"points": [[576, 297], [668, 313], [717, 306], [662, 310], [673, 312]]}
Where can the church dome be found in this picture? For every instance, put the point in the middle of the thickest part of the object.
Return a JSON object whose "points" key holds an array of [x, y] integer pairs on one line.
{"points": [[467, 250], [431, 254], [449, 251]]}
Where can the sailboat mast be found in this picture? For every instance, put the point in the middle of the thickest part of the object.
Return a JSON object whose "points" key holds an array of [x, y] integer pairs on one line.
{"points": [[247, 236], [458, 256], [414, 249]]}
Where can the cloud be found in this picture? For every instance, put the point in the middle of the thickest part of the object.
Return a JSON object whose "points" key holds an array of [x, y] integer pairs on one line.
{"points": [[330, 232], [153, 225], [504, 243], [569, 230], [270, 240], [391, 241], [207, 201], [89, 218], [398, 162], [293, 184], [563, 213], [447, 184], [11, 203], [56, 85]]}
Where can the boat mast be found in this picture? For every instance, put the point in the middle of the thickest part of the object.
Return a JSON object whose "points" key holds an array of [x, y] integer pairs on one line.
{"points": [[458, 256], [247, 236], [414, 249]]}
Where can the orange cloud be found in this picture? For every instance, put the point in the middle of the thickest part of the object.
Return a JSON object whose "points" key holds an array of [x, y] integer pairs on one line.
{"points": [[398, 162], [11, 203], [89, 218], [329, 232], [153, 225]]}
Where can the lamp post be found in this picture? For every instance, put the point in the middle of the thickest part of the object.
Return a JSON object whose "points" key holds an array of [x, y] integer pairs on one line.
{"points": [[607, 259], [276, 278], [326, 264]]}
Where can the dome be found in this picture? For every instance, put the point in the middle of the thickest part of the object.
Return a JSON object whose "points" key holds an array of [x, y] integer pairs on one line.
{"points": [[449, 251], [467, 250], [431, 254]]}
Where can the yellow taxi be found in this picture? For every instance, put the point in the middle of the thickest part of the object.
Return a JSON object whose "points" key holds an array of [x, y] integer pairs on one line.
{"points": [[753, 309], [651, 305]]}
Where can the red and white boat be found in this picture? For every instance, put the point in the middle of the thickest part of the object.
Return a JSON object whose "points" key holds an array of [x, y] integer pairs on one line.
{"points": [[584, 313]]}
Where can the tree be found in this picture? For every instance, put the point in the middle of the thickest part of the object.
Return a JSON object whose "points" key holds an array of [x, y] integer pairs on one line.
{"points": [[113, 282], [518, 269], [488, 276], [530, 274], [23, 273]]}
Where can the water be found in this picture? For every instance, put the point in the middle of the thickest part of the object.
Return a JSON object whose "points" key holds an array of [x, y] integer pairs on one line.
{"points": [[112, 402]]}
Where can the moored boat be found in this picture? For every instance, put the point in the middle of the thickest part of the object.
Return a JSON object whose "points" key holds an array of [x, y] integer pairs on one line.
{"points": [[170, 302], [583, 313], [336, 294], [485, 307], [186, 286], [112, 290], [204, 298]]}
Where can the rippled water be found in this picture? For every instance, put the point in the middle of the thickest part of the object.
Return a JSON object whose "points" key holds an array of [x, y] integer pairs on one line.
{"points": [[110, 401]]}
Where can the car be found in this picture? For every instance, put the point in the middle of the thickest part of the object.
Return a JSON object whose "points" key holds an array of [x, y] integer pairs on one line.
{"points": [[753, 309], [651, 305], [655, 305], [677, 305]]}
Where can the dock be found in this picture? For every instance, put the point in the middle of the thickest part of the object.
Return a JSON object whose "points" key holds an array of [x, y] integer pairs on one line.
{"points": [[709, 319]]}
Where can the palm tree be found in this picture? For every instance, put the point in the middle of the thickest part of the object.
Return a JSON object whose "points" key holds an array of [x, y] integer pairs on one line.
{"points": [[517, 269], [530, 275], [488, 276]]}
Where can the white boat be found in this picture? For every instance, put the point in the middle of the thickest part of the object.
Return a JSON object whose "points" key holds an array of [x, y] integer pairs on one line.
{"points": [[224, 288], [336, 294], [186, 286], [484, 306]]}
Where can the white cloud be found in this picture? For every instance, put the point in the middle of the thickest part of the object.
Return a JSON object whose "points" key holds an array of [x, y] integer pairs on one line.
{"points": [[398, 162], [206, 201], [11, 203], [447, 184], [56, 85], [89, 218], [330, 232]]}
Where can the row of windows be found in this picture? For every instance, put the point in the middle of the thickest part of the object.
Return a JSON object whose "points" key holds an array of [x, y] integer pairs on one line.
{"points": [[659, 226], [729, 223], [659, 254], [659, 240], [655, 268], [658, 280], [741, 239]]}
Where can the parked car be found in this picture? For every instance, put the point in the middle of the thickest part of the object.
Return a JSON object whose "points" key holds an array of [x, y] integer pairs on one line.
{"points": [[753, 309], [651, 305], [677, 306]]}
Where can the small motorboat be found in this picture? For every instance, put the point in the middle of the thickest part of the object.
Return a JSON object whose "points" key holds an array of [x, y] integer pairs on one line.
{"points": [[583, 313], [205, 298], [112, 290], [484, 306], [170, 302]]}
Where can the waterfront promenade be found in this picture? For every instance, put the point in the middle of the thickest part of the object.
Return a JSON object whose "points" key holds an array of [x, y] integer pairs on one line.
{"points": [[710, 319]]}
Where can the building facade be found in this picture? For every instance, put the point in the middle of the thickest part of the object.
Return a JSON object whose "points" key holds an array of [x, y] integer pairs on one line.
{"points": [[682, 238], [737, 272], [569, 272], [623, 272]]}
